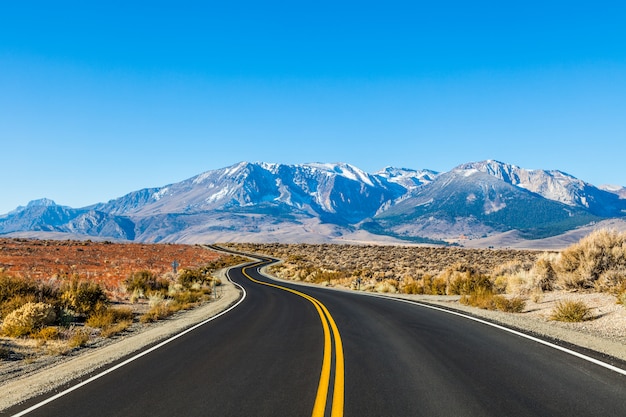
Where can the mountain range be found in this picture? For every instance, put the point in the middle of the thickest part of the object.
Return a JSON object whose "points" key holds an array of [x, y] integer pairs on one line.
{"points": [[320, 202]]}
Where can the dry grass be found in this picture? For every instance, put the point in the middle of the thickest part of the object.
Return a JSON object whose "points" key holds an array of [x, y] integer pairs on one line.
{"points": [[598, 262], [571, 311], [409, 270]]}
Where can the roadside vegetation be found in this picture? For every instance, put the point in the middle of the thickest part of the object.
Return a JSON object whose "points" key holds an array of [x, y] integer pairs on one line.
{"points": [[491, 279], [62, 313]]}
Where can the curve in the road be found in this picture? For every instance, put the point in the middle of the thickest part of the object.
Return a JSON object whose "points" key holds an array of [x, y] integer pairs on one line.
{"points": [[328, 324]]}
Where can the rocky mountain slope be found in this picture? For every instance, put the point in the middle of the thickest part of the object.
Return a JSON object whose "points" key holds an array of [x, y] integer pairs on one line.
{"points": [[320, 202]]}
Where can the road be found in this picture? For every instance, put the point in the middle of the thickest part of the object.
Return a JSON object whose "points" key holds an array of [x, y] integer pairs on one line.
{"points": [[290, 350]]}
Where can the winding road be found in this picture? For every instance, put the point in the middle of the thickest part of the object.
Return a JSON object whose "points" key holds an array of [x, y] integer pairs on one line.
{"points": [[290, 350]]}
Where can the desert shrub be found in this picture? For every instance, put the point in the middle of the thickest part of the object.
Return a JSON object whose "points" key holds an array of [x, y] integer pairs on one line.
{"points": [[411, 286], [79, 338], [509, 305], [431, 285], [11, 287], [571, 311], [438, 286], [111, 321], [106, 317], [468, 282], [387, 286], [544, 273], [16, 292], [598, 257], [461, 279], [157, 311], [144, 281], [83, 297], [612, 281], [187, 298], [485, 299], [27, 319], [47, 333], [187, 277]]}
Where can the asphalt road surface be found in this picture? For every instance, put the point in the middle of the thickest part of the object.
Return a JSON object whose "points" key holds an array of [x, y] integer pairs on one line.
{"points": [[291, 350]]}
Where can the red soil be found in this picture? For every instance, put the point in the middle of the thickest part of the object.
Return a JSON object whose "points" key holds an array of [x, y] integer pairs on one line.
{"points": [[103, 262]]}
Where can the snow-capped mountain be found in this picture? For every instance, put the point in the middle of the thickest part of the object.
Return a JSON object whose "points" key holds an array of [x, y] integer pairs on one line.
{"points": [[338, 193], [410, 179], [321, 201], [553, 185], [469, 202]]}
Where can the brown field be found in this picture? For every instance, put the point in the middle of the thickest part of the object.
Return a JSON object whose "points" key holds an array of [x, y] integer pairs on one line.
{"points": [[103, 262], [342, 264]]}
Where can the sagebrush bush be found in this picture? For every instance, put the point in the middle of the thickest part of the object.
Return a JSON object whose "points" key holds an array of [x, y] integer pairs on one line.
{"points": [[27, 319], [16, 292], [47, 333], [106, 317], [463, 279], [598, 260], [571, 311], [145, 282], [83, 297], [157, 311], [544, 273], [79, 338]]}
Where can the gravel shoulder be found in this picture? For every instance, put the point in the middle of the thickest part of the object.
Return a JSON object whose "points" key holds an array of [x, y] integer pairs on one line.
{"points": [[21, 381]]}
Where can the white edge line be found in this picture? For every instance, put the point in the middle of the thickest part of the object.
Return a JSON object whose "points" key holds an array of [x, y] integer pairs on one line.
{"points": [[137, 356], [488, 323]]}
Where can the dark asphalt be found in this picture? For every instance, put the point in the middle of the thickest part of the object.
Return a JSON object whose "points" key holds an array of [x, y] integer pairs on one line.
{"points": [[264, 359]]}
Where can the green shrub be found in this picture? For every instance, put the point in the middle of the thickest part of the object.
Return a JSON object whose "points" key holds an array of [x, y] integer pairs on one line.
{"points": [[187, 277], [571, 311], [145, 282], [83, 297]]}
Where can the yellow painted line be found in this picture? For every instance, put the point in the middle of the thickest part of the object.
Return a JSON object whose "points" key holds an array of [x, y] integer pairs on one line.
{"points": [[328, 324]]}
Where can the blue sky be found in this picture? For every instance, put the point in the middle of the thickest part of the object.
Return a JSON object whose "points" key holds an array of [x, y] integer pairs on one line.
{"points": [[100, 100]]}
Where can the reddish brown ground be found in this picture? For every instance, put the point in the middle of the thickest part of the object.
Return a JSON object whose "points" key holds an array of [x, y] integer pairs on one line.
{"points": [[103, 262]]}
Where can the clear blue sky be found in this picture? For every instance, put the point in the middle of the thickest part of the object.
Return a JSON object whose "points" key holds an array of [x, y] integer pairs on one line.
{"points": [[100, 100]]}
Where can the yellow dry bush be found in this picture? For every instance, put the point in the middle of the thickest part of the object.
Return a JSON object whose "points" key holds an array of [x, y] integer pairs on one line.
{"points": [[571, 311], [597, 259], [544, 273], [463, 279], [387, 286], [27, 319]]}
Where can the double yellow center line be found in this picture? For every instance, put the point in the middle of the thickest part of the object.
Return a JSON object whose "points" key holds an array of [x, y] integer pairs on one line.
{"points": [[331, 333]]}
